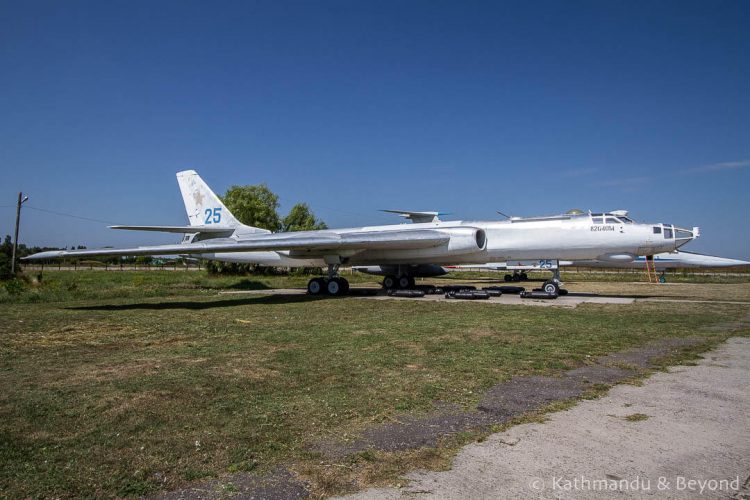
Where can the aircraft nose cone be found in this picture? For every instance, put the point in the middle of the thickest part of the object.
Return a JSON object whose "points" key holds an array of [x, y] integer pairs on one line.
{"points": [[682, 235]]}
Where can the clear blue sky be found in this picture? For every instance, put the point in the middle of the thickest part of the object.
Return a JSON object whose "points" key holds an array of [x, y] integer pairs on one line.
{"points": [[465, 107]]}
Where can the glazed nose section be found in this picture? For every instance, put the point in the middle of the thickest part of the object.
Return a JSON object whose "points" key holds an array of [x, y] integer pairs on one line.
{"points": [[680, 235]]}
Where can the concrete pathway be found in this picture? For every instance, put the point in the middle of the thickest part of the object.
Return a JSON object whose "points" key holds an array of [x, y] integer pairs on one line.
{"points": [[682, 434]]}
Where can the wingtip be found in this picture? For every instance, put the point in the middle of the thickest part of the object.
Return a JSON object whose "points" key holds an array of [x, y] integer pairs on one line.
{"points": [[52, 254]]}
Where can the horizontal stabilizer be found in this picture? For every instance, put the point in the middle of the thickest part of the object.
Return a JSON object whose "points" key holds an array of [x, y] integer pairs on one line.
{"points": [[179, 229], [417, 217]]}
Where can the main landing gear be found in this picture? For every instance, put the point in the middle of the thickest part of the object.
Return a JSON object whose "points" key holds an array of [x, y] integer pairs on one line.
{"points": [[402, 282], [333, 285]]}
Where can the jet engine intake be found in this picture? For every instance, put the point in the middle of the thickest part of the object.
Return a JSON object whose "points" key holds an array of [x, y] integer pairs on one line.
{"points": [[465, 240]]}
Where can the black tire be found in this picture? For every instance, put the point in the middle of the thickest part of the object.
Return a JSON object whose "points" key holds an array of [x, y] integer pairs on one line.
{"points": [[404, 283], [507, 289], [538, 295], [524, 277], [344, 286], [316, 286], [551, 287], [406, 293], [563, 291], [389, 282], [508, 278], [458, 288], [334, 287]]}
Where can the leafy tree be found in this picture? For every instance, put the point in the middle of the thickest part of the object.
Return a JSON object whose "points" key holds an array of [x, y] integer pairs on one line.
{"points": [[301, 218], [257, 205], [6, 251], [254, 205]]}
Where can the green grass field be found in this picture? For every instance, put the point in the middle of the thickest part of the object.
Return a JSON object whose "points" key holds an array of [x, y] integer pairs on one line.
{"points": [[116, 384]]}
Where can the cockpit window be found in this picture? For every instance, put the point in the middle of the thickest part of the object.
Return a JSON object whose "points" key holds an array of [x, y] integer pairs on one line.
{"points": [[657, 230], [611, 220], [627, 220], [597, 219], [668, 233]]}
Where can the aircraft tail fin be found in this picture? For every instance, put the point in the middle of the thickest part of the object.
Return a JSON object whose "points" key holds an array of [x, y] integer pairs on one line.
{"points": [[203, 207]]}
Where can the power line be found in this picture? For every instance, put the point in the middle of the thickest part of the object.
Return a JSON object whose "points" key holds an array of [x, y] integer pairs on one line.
{"points": [[69, 215]]}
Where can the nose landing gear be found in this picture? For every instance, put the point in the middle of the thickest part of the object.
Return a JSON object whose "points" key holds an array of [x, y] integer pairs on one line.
{"points": [[553, 285], [550, 286]]}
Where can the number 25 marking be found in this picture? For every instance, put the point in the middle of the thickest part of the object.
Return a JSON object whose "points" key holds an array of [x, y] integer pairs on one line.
{"points": [[213, 215]]}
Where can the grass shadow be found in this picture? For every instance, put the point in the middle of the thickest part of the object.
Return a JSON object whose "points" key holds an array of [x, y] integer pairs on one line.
{"points": [[201, 305], [248, 284]]}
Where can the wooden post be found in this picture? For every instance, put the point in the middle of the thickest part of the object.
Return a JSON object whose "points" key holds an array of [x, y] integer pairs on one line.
{"points": [[21, 200]]}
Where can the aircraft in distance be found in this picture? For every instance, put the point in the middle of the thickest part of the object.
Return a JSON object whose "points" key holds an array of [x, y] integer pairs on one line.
{"points": [[661, 262], [409, 251]]}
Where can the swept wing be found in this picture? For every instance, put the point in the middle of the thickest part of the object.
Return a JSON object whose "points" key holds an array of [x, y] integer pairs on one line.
{"points": [[315, 242]]}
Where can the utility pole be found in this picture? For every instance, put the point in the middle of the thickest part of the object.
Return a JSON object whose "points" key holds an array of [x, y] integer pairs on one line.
{"points": [[21, 200]]}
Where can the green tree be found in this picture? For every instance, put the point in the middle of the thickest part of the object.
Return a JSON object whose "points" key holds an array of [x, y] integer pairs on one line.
{"points": [[6, 251], [301, 218], [255, 206]]}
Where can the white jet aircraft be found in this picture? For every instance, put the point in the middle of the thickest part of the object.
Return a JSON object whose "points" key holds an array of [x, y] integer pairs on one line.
{"points": [[413, 250]]}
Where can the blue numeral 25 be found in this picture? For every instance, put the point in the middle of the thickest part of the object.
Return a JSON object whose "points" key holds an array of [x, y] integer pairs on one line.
{"points": [[213, 215]]}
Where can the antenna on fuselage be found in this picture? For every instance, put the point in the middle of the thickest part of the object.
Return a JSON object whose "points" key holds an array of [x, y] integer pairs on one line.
{"points": [[506, 216]]}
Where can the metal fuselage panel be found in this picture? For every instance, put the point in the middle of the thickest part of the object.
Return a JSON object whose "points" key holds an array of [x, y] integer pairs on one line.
{"points": [[573, 239]]}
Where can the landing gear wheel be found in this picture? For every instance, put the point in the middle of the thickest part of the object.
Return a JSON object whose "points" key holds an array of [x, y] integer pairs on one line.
{"points": [[344, 286], [508, 278], [524, 277], [389, 282], [316, 286], [335, 287], [551, 287], [404, 283]]}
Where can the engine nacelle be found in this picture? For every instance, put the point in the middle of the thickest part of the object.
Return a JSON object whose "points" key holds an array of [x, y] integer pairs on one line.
{"points": [[466, 240], [463, 241]]}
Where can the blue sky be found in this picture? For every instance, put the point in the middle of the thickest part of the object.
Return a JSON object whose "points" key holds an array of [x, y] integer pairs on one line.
{"points": [[465, 107]]}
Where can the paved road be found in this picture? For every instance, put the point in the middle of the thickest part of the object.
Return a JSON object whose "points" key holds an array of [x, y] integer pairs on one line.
{"points": [[697, 428]]}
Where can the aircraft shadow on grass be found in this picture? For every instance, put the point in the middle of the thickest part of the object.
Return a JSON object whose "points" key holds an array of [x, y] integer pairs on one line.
{"points": [[201, 305], [247, 284]]}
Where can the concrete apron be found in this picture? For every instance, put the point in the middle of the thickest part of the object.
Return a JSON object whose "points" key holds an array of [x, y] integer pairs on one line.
{"points": [[688, 436]]}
